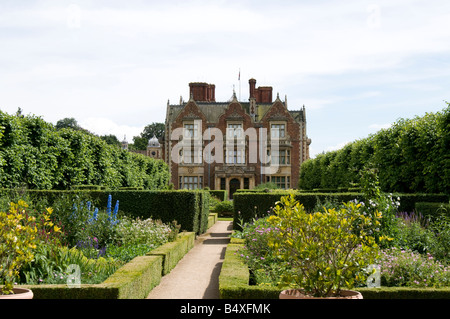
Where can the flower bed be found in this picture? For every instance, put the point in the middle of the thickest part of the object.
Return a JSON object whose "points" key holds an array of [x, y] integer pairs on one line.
{"points": [[134, 280], [79, 243], [234, 283], [293, 248]]}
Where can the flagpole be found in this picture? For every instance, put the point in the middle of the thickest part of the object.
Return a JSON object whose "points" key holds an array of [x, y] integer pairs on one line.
{"points": [[239, 84]]}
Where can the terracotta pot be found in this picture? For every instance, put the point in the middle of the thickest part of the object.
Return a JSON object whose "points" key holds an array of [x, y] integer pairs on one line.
{"points": [[298, 294], [19, 293]]}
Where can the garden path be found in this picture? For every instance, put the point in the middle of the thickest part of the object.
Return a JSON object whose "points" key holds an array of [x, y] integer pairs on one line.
{"points": [[196, 275]]}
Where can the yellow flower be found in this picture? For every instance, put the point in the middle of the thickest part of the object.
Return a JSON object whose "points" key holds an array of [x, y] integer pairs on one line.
{"points": [[57, 229]]}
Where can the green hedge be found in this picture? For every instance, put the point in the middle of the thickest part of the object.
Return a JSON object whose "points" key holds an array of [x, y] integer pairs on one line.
{"points": [[212, 219], [428, 209], [248, 205], [134, 280], [234, 283], [220, 194], [189, 208], [34, 154], [411, 157], [171, 253]]}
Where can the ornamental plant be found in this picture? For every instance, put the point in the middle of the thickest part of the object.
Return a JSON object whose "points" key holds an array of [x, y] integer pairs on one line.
{"points": [[327, 250], [17, 243]]}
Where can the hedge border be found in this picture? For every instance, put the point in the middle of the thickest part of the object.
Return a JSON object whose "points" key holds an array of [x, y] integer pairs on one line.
{"points": [[248, 205], [234, 283], [190, 208], [133, 280]]}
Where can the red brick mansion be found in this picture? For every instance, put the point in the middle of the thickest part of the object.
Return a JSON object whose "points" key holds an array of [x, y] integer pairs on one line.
{"points": [[232, 145]]}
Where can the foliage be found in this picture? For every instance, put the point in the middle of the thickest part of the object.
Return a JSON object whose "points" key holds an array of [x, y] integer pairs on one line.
{"points": [[424, 235], [376, 201], [267, 268], [404, 267], [223, 206], [36, 155], [440, 247], [267, 186], [111, 140], [411, 156], [68, 122], [17, 243], [97, 240], [155, 129], [326, 250], [136, 231]]}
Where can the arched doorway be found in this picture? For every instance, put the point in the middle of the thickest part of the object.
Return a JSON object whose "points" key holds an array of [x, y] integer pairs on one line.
{"points": [[235, 184]]}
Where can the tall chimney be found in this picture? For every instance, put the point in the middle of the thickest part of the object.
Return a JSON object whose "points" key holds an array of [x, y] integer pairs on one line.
{"points": [[252, 83], [202, 92]]}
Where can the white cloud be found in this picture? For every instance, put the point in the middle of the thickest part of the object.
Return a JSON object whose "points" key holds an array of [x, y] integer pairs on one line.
{"points": [[336, 147], [122, 61], [104, 126], [377, 127]]}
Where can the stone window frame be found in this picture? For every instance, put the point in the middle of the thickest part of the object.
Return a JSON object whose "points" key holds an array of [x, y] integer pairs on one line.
{"points": [[195, 135], [238, 154], [192, 181], [284, 160], [282, 181], [282, 136]]}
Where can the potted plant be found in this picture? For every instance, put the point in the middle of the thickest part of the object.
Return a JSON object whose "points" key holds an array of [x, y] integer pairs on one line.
{"points": [[17, 242], [328, 251]]}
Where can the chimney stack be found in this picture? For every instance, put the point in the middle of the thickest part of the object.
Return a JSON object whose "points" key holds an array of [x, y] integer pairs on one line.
{"points": [[203, 92], [262, 94]]}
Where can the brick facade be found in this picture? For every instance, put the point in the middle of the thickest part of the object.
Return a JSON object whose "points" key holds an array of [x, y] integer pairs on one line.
{"points": [[197, 159]]}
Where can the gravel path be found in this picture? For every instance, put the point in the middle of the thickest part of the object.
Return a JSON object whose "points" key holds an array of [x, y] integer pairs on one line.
{"points": [[196, 276]]}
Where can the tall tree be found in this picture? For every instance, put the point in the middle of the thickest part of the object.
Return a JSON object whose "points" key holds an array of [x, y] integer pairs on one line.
{"points": [[68, 122], [155, 129]]}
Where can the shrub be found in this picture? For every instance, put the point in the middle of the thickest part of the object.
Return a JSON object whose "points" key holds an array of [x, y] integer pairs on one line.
{"points": [[189, 208], [225, 206], [17, 244], [432, 209], [441, 245], [219, 194], [403, 267], [267, 268], [326, 250]]}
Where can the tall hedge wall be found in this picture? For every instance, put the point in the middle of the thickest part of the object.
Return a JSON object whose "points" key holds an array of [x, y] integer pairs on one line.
{"points": [[412, 156], [248, 205], [35, 155]]}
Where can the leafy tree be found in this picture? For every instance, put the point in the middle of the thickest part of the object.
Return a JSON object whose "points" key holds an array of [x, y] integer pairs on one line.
{"points": [[68, 123], [155, 129], [36, 155], [111, 140]]}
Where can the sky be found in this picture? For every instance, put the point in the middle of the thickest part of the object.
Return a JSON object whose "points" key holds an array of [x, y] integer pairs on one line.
{"points": [[356, 66]]}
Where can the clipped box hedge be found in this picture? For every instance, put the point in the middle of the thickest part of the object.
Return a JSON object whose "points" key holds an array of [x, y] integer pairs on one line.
{"points": [[248, 205], [171, 253], [220, 194], [189, 208], [134, 280], [235, 276], [432, 209]]}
